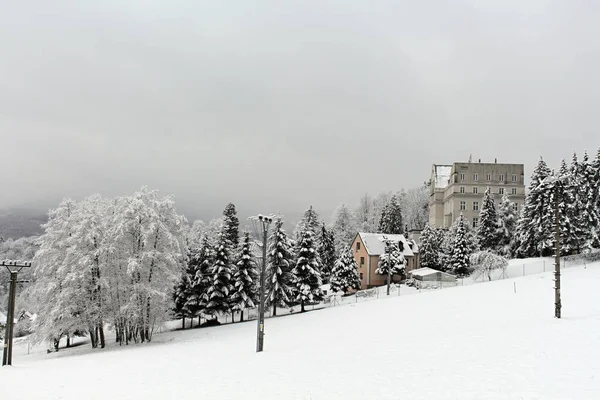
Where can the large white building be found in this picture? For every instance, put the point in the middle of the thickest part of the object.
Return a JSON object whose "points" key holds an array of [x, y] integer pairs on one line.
{"points": [[458, 189]]}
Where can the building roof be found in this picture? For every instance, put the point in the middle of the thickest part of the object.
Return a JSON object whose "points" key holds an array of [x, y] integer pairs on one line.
{"points": [[442, 175], [375, 246], [425, 271]]}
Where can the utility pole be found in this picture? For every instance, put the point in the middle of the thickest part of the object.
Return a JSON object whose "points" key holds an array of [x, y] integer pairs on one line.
{"points": [[557, 301], [14, 267], [261, 224]]}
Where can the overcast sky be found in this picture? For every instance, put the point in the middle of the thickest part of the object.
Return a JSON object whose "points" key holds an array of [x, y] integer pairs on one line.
{"points": [[276, 105]]}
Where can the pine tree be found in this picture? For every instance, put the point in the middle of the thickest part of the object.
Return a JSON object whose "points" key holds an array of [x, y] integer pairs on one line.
{"points": [[183, 292], [572, 235], [487, 229], [392, 262], [430, 250], [310, 220], [391, 218], [344, 275], [221, 290], [245, 294], [326, 252], [203, 260], [307, 276], [535, 227], [596, 184], [507, 225], [587, 197], [461, 250], [231, 225], [279, 278]]}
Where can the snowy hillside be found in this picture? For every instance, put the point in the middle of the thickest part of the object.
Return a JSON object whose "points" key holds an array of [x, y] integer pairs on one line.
{"points": [[480, 341]]}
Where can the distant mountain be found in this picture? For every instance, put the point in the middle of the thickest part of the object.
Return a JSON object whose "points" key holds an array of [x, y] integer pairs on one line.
{"points": [[19, 222]]}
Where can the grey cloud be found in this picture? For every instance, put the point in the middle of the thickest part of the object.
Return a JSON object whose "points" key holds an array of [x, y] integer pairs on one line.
{"points": [[279, 105]]}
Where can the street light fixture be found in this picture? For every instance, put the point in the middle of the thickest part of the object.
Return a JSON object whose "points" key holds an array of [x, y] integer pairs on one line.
{"points": [[261, 224], [14, 267]]}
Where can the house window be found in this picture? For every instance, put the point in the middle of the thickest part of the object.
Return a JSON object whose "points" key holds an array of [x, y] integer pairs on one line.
{"points": [[488, 177], [514, 178], [462, 177], [463, 205], [475, 177], [475, 190], [516, 207], [501, 177], [362, 261], [475, 206], [357, 246], [475, 222], [500, 190], [462, 189], [513, 191], [361, 276]]}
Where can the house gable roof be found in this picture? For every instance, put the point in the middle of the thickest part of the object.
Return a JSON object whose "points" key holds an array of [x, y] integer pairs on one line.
{"points": [[375, 247]]}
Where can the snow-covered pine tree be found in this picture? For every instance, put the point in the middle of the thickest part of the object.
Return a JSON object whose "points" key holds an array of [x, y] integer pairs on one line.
{"points": [[487, 229], [461, 249], [535, 226], [279, 278], [570, 222], [587, 198], [344, 275], [326, 253], [596, 184], [245, 292], [182, 292], [392, 260], [507, 225], [221, 290], [344, 228], [391, 218], [202, 260], [310, 220], [430, 250], [307, 275], [231, 225]]}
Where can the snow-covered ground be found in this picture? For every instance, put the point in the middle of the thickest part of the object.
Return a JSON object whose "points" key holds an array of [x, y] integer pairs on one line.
{"points": [[478, 341]]}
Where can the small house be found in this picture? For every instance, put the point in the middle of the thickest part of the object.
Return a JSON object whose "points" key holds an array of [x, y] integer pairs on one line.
{"points": [[367, 247]]}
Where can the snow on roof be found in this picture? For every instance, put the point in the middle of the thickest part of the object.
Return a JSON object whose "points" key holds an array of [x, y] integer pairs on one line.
{"points": [[427, 271], [442, 175], [375, 246]]}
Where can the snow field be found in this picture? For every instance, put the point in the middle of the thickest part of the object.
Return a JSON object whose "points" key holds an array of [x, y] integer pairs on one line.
{"points": [[475, 342]]}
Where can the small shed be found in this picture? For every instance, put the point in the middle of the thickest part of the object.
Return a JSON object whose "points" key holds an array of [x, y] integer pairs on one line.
{"points": [[430, 278]]}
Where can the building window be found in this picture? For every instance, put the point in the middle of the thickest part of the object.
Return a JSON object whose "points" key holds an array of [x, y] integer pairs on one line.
{"points": [[488, 177], [462, 177], [513, 191], [463, 205], [475, 190], [475, 206], [514, 178], [501, 177], [475, 222], [462, 189], [516, 207], [361, 276], [500, 190], [362, 261], [475, 177], [357, 246]]}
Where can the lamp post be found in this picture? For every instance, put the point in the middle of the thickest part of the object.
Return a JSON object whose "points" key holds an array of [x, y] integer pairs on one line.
{"points": [[14, 267], [557, 181], [261, 225]]}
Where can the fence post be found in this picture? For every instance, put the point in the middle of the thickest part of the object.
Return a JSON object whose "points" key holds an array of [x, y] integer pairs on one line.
{"points": [[544, 265], [523, 269]]}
